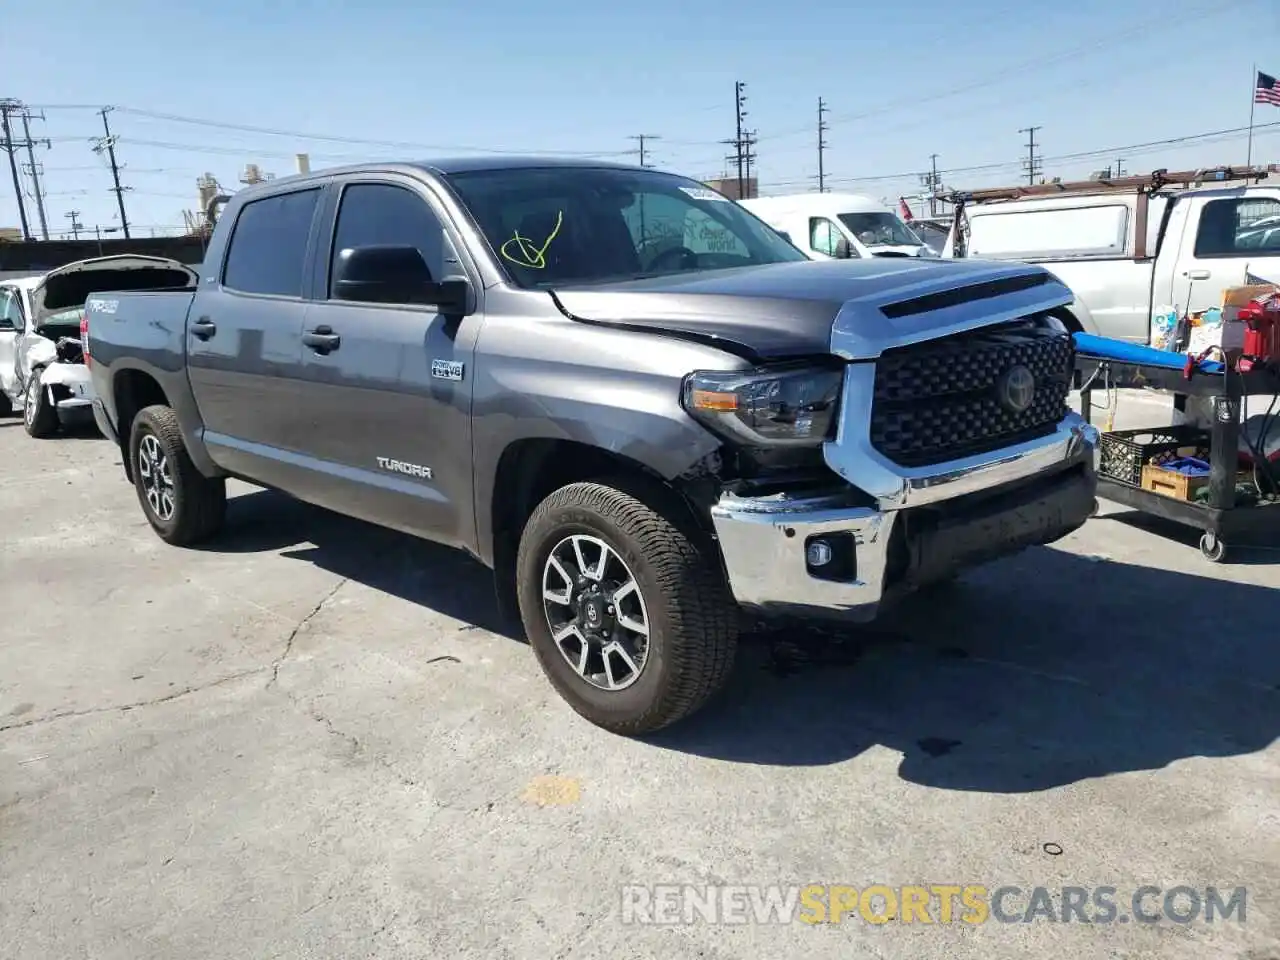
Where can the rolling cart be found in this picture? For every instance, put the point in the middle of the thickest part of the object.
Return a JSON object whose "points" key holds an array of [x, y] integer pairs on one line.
{"points": [[1220, 519]]}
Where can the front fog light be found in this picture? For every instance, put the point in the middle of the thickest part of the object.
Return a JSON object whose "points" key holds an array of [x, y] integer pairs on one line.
{"points": [[818, 553]]}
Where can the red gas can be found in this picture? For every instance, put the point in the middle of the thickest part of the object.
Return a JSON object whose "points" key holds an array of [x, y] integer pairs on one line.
{"points": [[1261, 319]]}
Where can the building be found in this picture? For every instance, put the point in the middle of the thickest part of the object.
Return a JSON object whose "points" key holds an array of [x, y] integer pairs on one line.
{"points": [[10, 233], [729, 187]]}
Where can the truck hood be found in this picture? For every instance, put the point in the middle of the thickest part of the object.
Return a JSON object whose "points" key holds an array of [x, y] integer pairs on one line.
{"points": [[853, 309], [69, 286]]}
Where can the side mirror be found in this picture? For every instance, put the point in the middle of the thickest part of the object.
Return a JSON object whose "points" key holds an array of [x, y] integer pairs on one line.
{"points": [[396, 274], [844, 250]]}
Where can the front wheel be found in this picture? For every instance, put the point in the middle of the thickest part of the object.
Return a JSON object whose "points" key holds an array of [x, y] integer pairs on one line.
{"points": [[630, 619], [182, 505], [39, 416]]}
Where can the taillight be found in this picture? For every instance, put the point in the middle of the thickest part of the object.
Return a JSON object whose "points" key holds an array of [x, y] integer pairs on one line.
{"points": [[84, 336]]}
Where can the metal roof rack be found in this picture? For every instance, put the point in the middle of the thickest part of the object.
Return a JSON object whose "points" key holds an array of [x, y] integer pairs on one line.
{"points": [[1146, 183], [1144, 186]]}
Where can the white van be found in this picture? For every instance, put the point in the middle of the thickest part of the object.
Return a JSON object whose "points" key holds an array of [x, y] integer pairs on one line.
{"points": [[839, 225]]}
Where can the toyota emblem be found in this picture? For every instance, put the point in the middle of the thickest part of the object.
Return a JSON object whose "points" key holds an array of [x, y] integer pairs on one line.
{"points": [[1017, 387]]}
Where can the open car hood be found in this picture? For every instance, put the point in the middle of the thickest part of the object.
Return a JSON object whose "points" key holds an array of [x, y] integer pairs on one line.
{"points": [[69, 286]]}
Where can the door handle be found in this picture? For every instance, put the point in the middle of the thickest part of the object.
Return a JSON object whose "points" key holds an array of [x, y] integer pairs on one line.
{"points": [[322, 339], [1196, 274], [204, 328]]}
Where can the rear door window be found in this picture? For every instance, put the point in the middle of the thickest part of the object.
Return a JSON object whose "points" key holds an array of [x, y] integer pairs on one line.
{"points": [[268, 250]]}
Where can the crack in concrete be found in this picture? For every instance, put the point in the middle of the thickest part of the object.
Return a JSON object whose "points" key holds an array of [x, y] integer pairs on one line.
{"points": [[273, 668], [357, 747], [293, 634], [137, 704]]}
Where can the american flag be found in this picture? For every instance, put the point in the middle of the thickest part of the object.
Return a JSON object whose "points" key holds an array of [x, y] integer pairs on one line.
{"points": [[1267, 90]]}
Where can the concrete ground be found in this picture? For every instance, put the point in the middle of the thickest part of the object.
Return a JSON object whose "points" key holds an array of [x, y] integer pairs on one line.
{"points": [[308, 741]]}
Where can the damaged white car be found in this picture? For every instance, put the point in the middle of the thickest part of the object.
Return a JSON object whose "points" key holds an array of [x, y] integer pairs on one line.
{"points": [[42, 365]]}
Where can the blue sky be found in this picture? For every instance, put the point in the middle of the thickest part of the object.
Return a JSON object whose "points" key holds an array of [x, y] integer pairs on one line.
{"points": [[902, 81]]}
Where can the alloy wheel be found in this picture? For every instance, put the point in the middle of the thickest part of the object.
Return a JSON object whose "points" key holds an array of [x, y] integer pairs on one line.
{"points": [[596, 612], [157, 481]]}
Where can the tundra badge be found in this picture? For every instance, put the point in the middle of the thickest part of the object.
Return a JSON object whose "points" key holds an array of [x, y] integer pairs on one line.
{"points": [[409, 469], [447, 369]]}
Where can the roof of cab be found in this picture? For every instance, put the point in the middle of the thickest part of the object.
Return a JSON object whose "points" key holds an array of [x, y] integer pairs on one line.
{"points": [[445, 166], [817, 202]]}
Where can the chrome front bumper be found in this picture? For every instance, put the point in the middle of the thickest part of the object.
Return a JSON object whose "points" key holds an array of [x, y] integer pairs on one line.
{"points": [[764, 540]]}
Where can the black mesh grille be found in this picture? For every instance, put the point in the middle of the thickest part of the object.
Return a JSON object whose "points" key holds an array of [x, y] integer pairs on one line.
{"points": [[939, 400]]}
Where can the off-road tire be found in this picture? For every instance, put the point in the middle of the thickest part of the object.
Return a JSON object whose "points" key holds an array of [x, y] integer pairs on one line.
{"points": [[693, 619], [200, 502], [39, 416]]}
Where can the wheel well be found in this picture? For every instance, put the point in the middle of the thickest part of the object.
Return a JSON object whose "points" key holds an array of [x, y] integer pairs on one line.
{"points": [[1071, 321], [134, 390], [529, 470]]}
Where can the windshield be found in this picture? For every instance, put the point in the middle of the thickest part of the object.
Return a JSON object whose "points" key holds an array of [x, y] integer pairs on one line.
{"points": [[555, 226], [880, 230]]}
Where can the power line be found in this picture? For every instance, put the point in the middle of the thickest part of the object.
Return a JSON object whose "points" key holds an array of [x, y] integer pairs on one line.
{"points": [[822, 146], [1032, 164], [1145, 28], [76, 225], [8, 107], [34, 169], [334, 138], [108, 143], [1152, 146]]}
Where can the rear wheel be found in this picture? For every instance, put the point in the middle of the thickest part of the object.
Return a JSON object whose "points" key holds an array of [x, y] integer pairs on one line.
{"points": [[630, 619], [182, 505], [39, 416]]}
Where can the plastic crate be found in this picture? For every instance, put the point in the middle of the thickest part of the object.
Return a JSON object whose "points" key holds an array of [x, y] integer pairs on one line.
{"points": [[1123, 453]]}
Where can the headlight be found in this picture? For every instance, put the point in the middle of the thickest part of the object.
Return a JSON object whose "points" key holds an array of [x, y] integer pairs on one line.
{"points": [[766, 408]]}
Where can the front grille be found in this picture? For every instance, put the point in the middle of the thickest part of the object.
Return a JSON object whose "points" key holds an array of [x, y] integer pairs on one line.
{"points": [[940, 400]]}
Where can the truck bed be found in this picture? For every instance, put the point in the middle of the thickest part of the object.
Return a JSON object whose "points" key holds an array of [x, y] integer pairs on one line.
{"points": [[139, 329]]}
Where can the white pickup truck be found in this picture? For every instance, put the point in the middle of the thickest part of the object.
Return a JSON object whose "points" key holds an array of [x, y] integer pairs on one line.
{"points": [[1131, 247], [42, 368]]}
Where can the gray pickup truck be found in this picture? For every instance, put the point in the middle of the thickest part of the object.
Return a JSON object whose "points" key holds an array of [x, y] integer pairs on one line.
{"points": [[643, 432]]}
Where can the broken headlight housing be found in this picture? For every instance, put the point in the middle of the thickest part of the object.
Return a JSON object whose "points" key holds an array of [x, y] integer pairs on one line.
{"points": [[768, 406]]}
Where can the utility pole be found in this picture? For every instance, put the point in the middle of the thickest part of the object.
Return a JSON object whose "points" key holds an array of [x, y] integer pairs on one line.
{"points": [[1032, 163], [108, 143], [641, 139], [742, 141], [8, 107], [76, 225], [822, 146], [931, 182], [33, 168], [1119, 167]]}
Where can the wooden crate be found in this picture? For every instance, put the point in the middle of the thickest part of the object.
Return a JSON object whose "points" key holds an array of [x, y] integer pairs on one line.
{"points": [[1171, 484]]}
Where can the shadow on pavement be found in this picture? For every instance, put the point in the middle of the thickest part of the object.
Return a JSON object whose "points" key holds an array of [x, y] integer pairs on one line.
{"points": [[1254, 552], [1038, 671], [415, 570]]}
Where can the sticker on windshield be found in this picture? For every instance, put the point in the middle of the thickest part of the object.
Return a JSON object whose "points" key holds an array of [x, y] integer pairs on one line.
{"points": [[703, 193], [523, 252]]}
